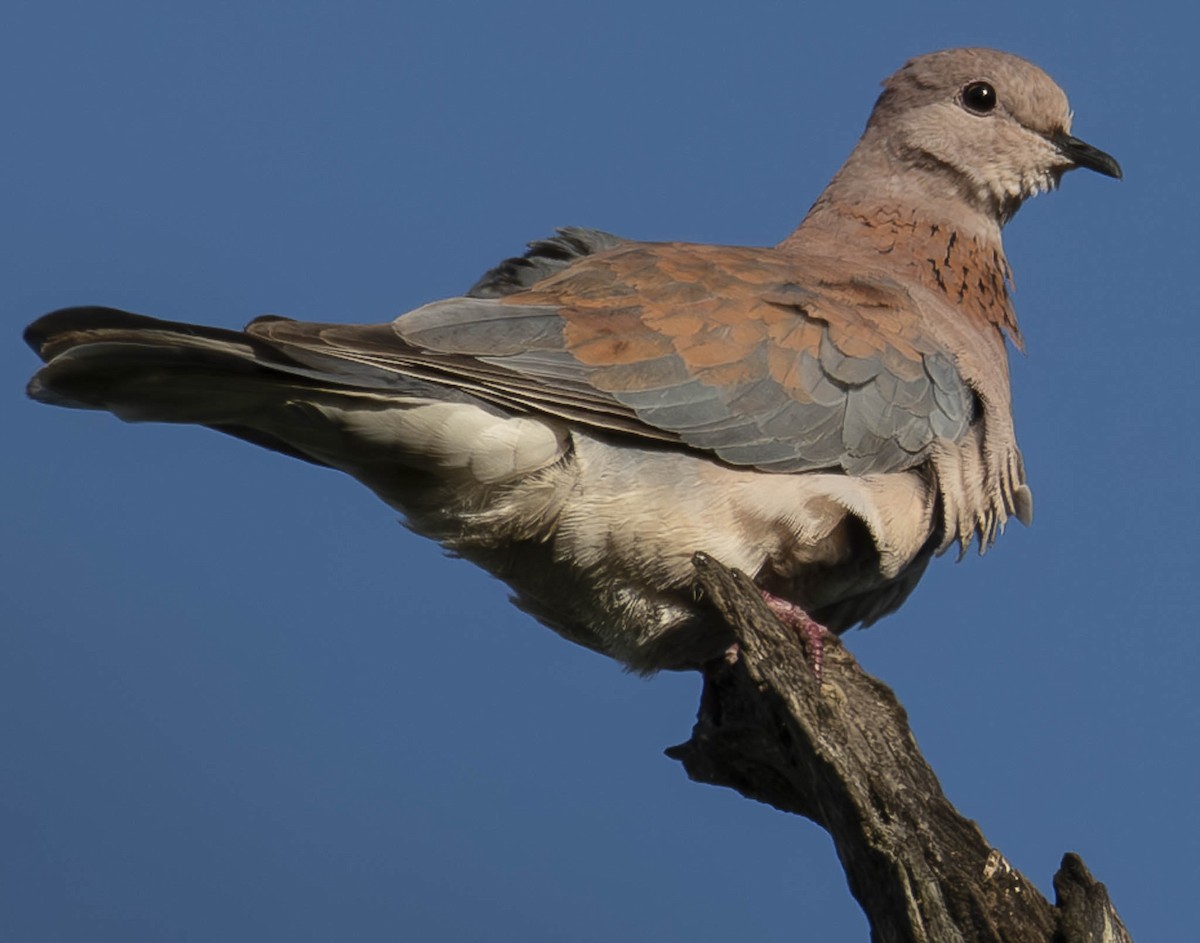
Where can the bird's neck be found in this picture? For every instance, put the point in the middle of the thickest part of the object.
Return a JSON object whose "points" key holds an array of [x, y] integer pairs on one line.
{"points": [[911, 222]]}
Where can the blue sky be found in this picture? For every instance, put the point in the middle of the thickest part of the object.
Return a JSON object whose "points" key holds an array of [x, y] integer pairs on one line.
{"points": [[239, 701]]}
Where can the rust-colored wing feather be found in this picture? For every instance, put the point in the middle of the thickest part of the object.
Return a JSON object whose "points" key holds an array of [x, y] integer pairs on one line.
{"points": [[727, 350]]}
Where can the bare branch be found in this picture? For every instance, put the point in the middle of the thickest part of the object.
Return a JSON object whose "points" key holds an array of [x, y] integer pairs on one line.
{"points": [[841, 753]]}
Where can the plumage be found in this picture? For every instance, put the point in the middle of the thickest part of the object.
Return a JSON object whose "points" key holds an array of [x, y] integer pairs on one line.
{"points": [[825, 414]]}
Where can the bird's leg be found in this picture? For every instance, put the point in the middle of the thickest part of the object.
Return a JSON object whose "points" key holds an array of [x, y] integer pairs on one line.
{"points": [[811, 632]]}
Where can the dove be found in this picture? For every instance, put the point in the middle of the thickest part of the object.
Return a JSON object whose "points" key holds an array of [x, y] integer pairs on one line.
{"points": [[826, 414]]}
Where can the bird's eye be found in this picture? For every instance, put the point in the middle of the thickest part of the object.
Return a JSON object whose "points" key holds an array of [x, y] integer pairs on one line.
{"points": [[979, 98]]}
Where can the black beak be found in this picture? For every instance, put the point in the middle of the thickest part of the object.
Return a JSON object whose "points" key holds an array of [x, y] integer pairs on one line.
{"points": [[1082, 154]]}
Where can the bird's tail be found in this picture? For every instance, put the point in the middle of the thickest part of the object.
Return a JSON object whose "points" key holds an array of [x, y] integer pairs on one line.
{"points": [[357, 398], [148, 370]]}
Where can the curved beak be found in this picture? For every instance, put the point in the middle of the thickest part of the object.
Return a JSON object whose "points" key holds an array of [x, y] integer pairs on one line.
{"points": [[1082, 154]]}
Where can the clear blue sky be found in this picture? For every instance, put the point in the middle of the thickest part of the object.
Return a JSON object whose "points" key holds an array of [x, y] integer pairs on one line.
{"points": [[239, 702]]}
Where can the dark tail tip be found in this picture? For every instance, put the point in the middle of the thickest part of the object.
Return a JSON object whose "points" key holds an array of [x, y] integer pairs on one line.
{"points": [[68, 320]]}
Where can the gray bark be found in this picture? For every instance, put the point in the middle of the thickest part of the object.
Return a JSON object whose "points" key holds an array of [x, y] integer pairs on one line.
{"points": [[840, 752]]}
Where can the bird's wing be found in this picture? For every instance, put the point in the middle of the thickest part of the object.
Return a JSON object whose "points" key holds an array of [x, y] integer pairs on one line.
{"points": [[737, 352]]}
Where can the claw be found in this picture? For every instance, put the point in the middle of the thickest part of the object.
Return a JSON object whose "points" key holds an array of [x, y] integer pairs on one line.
{"points": [[811, 632]]}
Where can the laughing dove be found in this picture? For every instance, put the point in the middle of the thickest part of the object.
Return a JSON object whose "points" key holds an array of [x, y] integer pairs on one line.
{"points": [[825, 414]]}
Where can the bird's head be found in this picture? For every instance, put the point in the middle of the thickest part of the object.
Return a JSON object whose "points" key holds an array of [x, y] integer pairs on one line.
{"points": [[992, 125]]}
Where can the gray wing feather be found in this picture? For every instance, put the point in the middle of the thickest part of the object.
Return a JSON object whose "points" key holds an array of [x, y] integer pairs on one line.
{"points": [[861, 414], [856, 413]]}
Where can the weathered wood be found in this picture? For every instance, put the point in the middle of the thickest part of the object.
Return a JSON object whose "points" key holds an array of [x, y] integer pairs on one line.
{"points": [[841, 753], [1086, 915]]}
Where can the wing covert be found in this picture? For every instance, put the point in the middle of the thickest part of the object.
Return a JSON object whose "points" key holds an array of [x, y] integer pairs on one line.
{"points": [[716, 348]]}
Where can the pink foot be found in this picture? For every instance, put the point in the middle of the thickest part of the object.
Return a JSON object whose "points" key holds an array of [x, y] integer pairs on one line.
{"points": [[811, 632]]}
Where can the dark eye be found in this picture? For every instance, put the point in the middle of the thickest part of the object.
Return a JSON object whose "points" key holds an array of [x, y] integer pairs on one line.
{"points": [[979, 97]]}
